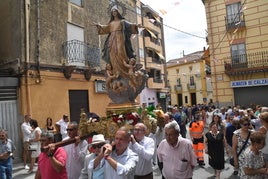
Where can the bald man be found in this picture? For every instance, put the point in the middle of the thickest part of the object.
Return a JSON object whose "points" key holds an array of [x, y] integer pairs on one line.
{"points": [[145, 148]]}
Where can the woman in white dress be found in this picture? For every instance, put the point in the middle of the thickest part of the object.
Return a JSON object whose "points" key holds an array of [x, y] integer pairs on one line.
{"points": [[34, 143]]}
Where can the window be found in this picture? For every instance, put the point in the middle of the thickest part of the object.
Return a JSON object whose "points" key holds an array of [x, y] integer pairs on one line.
{"points": [[178, 81], [158, 74], [233, 14], [190, 68], [76, 50], [178, 71], [238, 53], [186, 99], [191, 80], [77, 2]]}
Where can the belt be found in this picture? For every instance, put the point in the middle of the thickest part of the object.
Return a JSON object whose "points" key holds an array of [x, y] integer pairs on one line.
{"points": [[148, 176]]}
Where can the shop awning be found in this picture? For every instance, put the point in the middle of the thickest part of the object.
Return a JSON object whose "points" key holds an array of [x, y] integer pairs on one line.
{"points": [[152, 34], [160, 55], [157, 19]]}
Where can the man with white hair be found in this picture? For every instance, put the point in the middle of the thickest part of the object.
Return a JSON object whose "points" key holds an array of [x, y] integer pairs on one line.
{"points": [[7, 148], [144, 147], [182, 165]]}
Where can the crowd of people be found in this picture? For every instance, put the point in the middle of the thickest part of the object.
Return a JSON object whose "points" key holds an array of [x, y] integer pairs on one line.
{"points": [[240, 134], [229, 132]]}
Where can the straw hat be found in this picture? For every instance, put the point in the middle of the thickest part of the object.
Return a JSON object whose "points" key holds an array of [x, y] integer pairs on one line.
{"points": [[97, 139]]}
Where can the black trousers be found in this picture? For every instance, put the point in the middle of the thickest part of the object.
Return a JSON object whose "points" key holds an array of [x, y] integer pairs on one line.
{"points": [[148, 176]]}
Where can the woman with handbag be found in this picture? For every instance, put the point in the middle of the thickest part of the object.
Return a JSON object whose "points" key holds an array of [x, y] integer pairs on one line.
{"points": [[240, 142], [254, 167], [35, 144]]}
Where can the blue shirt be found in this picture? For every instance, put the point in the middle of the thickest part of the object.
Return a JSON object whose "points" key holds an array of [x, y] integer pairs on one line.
{"points": [[126, 164], [7, 147]]}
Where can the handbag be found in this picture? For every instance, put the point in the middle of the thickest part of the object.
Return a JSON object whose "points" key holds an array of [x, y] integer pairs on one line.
{"points": [[231, 160], [32, 147]]}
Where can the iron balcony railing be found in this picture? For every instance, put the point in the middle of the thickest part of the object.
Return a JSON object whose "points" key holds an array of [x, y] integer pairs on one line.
{"points": [[177, 87], [79, 53], [157, 80], [191, 86], [234, 21], [247, 61]]}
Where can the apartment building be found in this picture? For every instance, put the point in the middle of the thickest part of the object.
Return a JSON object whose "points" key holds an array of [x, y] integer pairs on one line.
{"points": [[189, 79], [238, 42], [152, 56]]}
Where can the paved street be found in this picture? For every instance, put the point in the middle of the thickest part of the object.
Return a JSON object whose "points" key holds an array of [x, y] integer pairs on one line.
{"points": [[205, 172], [199, 173]]}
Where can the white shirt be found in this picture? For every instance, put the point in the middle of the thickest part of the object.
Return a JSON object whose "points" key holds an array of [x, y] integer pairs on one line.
{"points": [[159, 135], [145, 150], [208, 118], [63, 126], [26, 131], [75, 158]]}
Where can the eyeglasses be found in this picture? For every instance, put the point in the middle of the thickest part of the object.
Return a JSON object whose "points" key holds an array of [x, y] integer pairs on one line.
{"points": [[246, 124], [97, 146], [69, 129]]}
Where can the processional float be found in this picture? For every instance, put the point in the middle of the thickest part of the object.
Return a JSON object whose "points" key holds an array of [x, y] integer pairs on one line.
{"points": [[125, 79]]}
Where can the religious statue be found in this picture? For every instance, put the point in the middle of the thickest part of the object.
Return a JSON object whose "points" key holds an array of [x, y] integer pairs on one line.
{"points": [[124, 77]]}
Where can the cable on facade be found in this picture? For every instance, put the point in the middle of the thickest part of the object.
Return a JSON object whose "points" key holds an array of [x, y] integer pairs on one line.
{"points": [[129, 9]]}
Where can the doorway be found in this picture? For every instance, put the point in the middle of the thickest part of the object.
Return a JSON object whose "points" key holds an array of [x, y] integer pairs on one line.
{"points": [[180, 103], [193, 98], [78, 99]]}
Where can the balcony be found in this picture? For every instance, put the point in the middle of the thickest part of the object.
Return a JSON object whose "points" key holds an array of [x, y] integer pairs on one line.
{"points": [[191, 86], [154, 63], [78, 53], [155, 83], [153, 43], [151, 24], [178, 88], [234, 21], [247, 63]]}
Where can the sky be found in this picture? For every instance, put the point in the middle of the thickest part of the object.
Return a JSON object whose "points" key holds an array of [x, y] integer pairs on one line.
{"points": [[181, 15]]}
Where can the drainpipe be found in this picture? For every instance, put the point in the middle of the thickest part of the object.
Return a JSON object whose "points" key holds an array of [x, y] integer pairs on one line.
{"points": [[38, 39], [27, 57], [212, 48]]}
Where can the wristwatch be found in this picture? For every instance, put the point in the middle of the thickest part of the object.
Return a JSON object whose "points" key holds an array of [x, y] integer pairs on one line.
{"points": [[50, 154]]}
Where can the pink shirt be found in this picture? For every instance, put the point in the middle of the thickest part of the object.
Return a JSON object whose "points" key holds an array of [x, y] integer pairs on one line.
{"points": [[46, 169], [178, 161]]}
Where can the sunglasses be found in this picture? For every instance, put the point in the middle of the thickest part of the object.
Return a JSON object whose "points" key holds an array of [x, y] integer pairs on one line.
{"points": [[69, 129], [97, 146], [246, 124]]}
